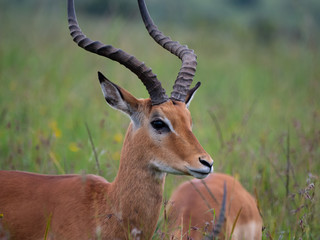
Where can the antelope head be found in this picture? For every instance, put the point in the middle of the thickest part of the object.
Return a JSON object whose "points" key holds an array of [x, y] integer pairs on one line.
{"points": [[161, 127]]}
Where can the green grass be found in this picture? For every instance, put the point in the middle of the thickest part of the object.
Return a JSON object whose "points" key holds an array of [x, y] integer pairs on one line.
{"points": [[265, 99]]}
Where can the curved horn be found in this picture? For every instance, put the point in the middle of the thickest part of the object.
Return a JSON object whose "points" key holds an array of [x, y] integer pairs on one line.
{"points": [[144, 73], [187, 56]]}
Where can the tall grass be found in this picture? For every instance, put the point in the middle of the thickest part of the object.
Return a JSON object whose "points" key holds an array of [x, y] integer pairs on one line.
{"points": [[257, 112]]}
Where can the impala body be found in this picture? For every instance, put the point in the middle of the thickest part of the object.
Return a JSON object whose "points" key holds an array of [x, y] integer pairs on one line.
{"points": [[190, 212], [159, 140]]}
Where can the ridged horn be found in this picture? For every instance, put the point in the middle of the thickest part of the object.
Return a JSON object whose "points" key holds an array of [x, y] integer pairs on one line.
{"points": [[186, 55], [144, 73]]}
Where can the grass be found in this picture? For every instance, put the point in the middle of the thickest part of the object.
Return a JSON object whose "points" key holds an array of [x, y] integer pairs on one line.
{"points": [[257, 112]]}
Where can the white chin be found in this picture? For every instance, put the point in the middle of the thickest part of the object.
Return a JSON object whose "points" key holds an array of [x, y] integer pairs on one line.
{"points": [[166, 169], [199, 175]]}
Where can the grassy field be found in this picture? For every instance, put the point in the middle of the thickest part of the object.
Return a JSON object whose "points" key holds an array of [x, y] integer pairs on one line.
{"points": [[257, 112]]}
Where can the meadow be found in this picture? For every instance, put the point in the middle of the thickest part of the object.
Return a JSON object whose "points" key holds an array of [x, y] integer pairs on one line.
{"points": [[257, 112]]}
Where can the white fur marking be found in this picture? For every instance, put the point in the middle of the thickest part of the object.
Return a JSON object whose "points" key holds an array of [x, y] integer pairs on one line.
{"points": [[167, 121], [165, 168], [245, 231]]}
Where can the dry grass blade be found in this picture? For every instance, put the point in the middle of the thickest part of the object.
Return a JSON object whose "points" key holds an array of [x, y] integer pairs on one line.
{"points": [[93, 149], [209, 191], [201, 195], [47, 227], [56, 162], [258, 201], [234, 223], [288, 164], [217, 125]]}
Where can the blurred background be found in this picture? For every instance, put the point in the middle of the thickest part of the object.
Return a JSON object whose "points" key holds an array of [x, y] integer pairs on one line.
{"points": [[257, 112]]}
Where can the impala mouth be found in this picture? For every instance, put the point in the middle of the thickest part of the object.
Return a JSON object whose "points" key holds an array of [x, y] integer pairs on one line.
{"points": [[199, 172], [195, 172], [165, 168]]}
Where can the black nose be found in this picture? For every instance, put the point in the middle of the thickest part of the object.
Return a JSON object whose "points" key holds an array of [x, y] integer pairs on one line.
{"points": [[204, 162]]}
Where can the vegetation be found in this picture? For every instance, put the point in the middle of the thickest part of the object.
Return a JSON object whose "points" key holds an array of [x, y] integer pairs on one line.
{"points": [[257, 112]]}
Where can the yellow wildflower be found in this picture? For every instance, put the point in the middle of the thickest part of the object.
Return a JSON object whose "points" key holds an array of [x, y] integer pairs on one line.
{"points": [[54, 127], [117, 138], [73, 147], [116, 156], [237, 176]]}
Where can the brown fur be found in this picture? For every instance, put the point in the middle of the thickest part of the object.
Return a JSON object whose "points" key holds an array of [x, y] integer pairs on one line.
{"points": [[189, 214], [87, 206]]}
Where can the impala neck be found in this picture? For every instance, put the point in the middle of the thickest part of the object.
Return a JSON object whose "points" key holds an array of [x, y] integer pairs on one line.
{"points": [[137, 188]]}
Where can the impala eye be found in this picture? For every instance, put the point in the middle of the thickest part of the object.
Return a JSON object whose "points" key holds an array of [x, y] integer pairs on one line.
{"points": [[160, 126]]}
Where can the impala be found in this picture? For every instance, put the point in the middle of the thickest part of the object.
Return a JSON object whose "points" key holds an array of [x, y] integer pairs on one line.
{"points": [[159, 140], [190, 207]]}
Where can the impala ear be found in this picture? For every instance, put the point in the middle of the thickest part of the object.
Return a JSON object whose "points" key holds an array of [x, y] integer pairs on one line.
{"points": [[191, 94], [118, 97]]}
